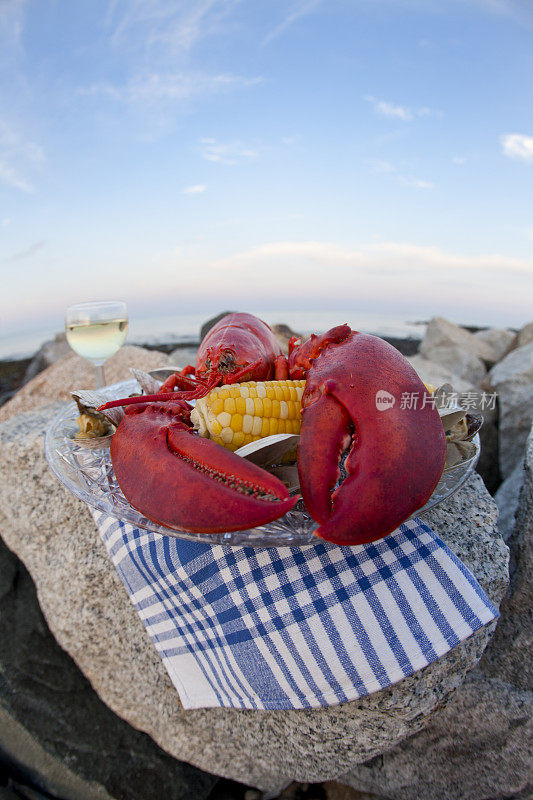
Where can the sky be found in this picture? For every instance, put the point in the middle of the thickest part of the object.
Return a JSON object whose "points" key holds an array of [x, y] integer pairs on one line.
{"points": [[198, 155]]}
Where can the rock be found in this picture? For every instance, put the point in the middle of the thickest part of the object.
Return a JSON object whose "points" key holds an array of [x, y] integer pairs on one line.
{"points": [[512, 379], [479, 401], [507, 500], [525, 335], [206, 327], [283, 333], [56, 735], [500, 339], [437, 374], [48, 354], [509, 657], [442, 333], [477, 746], [460, 363], [12, 373], [74, 372], [338, 791], [183, 356], [408, 345], [92, 618], [488, 465]]}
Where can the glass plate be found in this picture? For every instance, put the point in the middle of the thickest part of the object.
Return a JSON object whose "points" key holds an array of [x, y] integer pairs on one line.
{"points": [[89, 475]]}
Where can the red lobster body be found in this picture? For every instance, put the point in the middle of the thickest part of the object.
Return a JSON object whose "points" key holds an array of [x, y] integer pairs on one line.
{"points": [[364, 468], [240, 347]]}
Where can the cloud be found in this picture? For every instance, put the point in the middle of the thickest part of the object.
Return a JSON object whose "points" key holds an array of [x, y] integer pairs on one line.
{"points": [[11, 19], [163, 28], [395, 111], [197, 188], [513, 8], [153, 43], [458, 160], [230, 153], [11, 177], [386, 168], [296, 12], [17, 156], [173, 87], [385, 258], [26, 253], [379, 275], [517, 146]]}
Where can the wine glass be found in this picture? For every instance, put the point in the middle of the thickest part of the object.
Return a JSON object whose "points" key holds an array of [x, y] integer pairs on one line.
{"points": [[97, 331]]}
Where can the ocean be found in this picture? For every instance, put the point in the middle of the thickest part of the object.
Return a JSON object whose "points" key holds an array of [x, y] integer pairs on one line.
{"points": [[160, 329]]}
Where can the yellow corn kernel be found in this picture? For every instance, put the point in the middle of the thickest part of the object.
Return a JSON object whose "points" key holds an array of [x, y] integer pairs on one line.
{"points": [[229, 405], [250, 408], [238, 439], [224, 419], [237, 414], [226, 435], [217, 406], [236, 423]]}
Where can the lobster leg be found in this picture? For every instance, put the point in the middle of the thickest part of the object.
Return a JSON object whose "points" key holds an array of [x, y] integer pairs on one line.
{"points": [[185, 482], [281, 368]]}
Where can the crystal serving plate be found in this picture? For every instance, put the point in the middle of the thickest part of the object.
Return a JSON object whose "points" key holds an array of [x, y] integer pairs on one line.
{"points": [[88, 474]]}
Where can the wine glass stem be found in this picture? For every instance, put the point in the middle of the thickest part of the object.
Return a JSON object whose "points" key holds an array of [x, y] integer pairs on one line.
{"points": [[100, 377]]}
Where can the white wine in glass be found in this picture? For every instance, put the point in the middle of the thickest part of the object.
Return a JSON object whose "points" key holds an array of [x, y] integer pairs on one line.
{"points": [[97, 331]]}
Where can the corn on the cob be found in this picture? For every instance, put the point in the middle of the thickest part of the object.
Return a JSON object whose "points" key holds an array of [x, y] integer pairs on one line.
{"points": [[240, 413]]}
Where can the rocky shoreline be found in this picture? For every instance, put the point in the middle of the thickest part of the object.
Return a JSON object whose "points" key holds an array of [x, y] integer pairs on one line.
{"points": [[15, 373], [475, 746], [448, 353]]}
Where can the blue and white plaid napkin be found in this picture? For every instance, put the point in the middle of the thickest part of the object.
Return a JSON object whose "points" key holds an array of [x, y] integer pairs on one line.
{"points": [[281, 628]]}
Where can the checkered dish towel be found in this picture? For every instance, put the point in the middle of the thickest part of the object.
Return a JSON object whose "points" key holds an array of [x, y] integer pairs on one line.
{"points": [[295, 627]]}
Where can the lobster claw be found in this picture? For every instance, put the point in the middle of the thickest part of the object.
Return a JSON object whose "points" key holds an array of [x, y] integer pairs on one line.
{"points": [[366, 466], [182, 481]]}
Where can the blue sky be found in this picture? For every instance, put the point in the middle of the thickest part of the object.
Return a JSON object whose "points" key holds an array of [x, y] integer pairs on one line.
{"points": [[208, 154]]}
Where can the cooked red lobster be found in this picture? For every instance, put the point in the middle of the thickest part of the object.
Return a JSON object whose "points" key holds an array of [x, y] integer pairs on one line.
{"points": [[362, 470]]}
